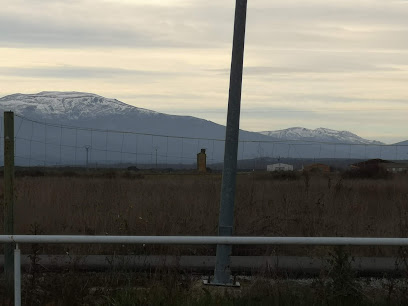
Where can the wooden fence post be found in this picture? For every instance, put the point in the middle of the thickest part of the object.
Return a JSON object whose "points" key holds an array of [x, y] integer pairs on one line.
{"points": [[9, 202]]}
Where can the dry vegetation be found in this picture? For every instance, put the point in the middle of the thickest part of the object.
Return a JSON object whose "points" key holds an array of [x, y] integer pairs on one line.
{"points": [[129, 203], [122, 203]]}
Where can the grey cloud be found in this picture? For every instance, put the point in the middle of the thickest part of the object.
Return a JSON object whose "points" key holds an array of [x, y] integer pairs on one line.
{"points": [[316, 69], [378, 13], [111, 25], [347, 99], [23, 33], [328, 37], [329, 24], [287, 24], [265, 111], [76, 72], [165, 97], [263, 70], [389, 104]]}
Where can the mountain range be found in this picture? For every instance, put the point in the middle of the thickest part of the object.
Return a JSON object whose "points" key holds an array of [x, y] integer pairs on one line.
{"points": [[65, 128], [319, 135]]}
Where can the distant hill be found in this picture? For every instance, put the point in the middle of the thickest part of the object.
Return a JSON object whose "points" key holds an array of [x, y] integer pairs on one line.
{"points": [[46, 135], [402, 143], [90, 111], [319, 134], [93, 111]]}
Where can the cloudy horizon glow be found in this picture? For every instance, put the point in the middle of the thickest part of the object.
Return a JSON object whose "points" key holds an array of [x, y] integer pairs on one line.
{"points": [[339, 65]]}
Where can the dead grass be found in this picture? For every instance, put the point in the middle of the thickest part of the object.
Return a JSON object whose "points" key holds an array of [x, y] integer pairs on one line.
{"points": [[176, 204]]}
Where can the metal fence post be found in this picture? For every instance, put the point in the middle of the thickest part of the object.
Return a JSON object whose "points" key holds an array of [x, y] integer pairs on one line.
{"points": [[17, 276], [222, 272], [9, 200]]}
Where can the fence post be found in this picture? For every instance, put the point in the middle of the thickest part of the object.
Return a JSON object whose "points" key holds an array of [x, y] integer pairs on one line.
{"points": [[9, 201], [222, 272], [17, 276]]}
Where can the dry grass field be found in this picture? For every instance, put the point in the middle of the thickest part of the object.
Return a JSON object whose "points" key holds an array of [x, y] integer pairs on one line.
{"points": [[123, 203], [128, 203]]}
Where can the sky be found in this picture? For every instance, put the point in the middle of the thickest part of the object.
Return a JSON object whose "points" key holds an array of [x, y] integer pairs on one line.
{"points": [[318, 63]]}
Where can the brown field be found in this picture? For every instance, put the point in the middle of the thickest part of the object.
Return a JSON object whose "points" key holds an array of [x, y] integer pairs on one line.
{"points": [[122, 203]]}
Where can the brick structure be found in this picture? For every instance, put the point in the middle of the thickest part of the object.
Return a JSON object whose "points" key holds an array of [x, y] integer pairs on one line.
{"points": [[202, 161], [320, 168]]}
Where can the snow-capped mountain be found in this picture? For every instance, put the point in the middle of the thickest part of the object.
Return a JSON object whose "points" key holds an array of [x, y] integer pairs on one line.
{"points": [[402, 143], [67, 105], [94, 111], [49, 124], [71, 128], [319, 134]]}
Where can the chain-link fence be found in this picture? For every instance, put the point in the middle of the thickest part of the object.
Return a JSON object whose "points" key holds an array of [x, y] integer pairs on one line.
{"points": [[45, 144]]}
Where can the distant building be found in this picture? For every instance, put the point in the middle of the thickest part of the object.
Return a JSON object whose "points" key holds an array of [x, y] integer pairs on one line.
{"points": [[202, 161], [321, 168], [370, 164], [381, 164], [396, 167], [279, 167]]}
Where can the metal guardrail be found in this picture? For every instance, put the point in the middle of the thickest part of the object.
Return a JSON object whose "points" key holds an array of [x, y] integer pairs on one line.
{"points": [[19, 239], [203, 240]]}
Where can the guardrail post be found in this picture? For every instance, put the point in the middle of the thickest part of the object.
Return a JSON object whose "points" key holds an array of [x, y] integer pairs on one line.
{"points": [[222, 272], [9, 200], [17, 276]]}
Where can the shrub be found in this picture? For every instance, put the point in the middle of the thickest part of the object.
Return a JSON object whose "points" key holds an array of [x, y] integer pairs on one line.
{"points": [[285, 175], [30, 172], [367, 173], [344, 286]]}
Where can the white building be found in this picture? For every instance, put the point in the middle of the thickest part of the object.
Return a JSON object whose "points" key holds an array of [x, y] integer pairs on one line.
{"points": [[395, 167], [279, 167]]}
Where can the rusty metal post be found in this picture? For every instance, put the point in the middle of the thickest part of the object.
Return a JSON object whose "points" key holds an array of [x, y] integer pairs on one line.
{"points": [[9, 201], [222, 272]]}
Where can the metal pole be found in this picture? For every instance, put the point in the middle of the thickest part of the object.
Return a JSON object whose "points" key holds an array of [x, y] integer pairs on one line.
{"points": [[17, 276], [200, 240], [222, 272], [156, 148], [87, 155], [9, 200]]}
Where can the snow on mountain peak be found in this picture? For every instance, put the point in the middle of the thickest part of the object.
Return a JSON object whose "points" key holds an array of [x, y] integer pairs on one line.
{"points": [[70, 105], [319, 134]]}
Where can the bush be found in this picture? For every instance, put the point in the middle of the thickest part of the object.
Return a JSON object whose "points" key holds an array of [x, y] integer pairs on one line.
{"points": [[132, 168], [30, 172], [344, 285], [367, 173], [70, 173], [132, 175], [285, 175]]}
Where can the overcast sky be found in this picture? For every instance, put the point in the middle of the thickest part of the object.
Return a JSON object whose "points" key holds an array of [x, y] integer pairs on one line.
{"points": [[316, 63]]}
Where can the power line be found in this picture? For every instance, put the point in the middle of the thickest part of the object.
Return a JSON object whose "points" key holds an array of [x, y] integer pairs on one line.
{"points": [[292, 142]]}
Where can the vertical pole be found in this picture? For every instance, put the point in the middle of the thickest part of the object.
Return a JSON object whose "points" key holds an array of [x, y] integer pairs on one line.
{"points": [[60, 148], [87, 147], [87, 155], [222, 272], [17, 276], [45, 144], [156, 157], [136, 151], [76, 145], [106, 149], [9, 200], [167, 148]]}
